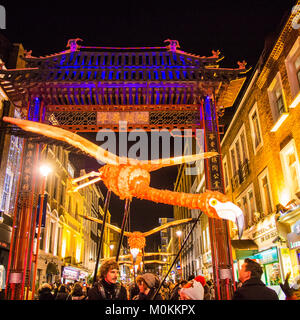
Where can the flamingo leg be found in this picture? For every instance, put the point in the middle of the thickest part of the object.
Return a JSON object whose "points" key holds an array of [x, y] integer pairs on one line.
{"points": [[85, 184], [88, 175]]}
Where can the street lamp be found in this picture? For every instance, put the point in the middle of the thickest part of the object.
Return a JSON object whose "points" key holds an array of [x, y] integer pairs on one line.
{"points": [[44, 170], [179, 234], [134, 252]]}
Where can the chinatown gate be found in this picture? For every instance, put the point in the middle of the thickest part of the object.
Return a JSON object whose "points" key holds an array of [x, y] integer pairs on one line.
{"points": [[86, 89]]}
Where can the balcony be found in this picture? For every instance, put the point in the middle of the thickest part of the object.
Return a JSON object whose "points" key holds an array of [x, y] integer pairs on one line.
{"points": [[241, 174]]}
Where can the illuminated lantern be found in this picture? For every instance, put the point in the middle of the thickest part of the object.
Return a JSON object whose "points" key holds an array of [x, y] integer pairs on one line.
{"points": [[137, 240]]}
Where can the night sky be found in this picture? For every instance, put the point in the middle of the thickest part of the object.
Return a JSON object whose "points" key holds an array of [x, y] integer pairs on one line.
{"points": [[237, 28]]}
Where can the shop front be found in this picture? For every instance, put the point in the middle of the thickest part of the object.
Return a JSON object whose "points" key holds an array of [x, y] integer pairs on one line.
{"points": [[262, 246], [290, 221], [207, 268]]}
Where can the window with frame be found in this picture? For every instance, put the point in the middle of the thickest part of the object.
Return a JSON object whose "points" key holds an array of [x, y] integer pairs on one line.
{"points": [[247, 203], [6, 194], [51, 236], [265, 192], [276, 98], [239, 158], [226, 174], [255, 128], [58, 242], [292, 63], [291, 167]]}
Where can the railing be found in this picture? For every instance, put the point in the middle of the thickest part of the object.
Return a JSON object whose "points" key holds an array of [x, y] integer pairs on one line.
{"points": [[240, 175]]}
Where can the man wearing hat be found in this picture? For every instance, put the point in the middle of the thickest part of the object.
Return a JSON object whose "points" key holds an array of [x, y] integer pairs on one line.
{"points": [[148, 284]]}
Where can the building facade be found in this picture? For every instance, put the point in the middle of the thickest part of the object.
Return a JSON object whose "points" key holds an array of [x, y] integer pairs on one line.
{"points": [[260, 154], [68, 242]]}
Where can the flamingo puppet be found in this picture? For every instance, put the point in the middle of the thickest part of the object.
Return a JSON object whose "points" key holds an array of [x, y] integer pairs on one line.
{"points": [[128, 177]]}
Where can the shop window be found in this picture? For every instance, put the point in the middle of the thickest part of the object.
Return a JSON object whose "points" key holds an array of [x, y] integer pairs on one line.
{"points": [[291, 167], [265, 192], [276, 98], [255, 129]]}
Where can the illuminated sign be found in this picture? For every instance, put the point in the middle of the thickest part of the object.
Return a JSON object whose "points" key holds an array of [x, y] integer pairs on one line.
{"points": [[71, 273], [115, 117], [267, 256], [15, 277], [293, 240]]}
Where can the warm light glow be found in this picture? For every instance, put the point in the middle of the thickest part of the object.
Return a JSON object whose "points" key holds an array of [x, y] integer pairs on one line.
{"points": [[284, 197], [279, 122], [111, 246], [295, 102], [134, 252], [179, 233], [45, 170], [63, 248], [78, 251]]}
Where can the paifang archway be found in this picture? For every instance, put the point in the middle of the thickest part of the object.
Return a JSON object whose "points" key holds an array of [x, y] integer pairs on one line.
{"points": [[85, 89]]}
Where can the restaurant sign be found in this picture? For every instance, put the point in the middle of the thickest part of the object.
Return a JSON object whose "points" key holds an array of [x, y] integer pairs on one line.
{"points": [[71, 273], [293, 240]]}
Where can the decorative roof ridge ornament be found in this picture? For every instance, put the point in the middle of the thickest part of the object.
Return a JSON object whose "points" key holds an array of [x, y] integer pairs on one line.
{"points": [[242, 65], [73, 45], [215, 53], [173, 45], [27, 54]]}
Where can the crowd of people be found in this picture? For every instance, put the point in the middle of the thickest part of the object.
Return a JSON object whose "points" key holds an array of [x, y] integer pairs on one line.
{"points": [[146, 287]]}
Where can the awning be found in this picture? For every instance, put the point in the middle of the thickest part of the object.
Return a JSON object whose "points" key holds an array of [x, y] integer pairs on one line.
{"points": [[244, 248], [244, 244]]}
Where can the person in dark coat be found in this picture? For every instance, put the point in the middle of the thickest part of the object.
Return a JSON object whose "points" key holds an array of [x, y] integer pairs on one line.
{"points": [[62, 292], [175, 291], [45, 292], [77, 293], [252, 287], [148, 283], [107, 288], [133, 291]]}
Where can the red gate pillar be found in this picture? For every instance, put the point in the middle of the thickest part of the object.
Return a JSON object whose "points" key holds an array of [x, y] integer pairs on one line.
{"points": [[25, 202], [218, 229]]}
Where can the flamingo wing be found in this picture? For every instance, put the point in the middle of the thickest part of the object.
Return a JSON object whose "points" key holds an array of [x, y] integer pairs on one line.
{"points": [[67, 136], [168, 225], [153, 165], [112, 227]]}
